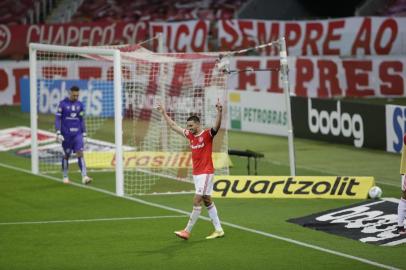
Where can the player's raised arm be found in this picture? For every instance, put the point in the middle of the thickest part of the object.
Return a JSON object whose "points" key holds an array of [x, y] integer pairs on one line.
{"points": [[217, 124], [172, 124]]}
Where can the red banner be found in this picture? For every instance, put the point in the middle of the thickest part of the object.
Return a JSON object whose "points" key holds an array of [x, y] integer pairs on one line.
{"points": [[378, 76], [188, 36], [346, 36], [14, 39]]}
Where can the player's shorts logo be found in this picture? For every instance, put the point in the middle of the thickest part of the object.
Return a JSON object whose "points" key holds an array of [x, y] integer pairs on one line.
{"points": [[5, 37]]}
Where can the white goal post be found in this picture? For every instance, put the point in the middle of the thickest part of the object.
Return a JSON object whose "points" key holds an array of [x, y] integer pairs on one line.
{"points": [[121, 86], [115, 54], [145, 152]]}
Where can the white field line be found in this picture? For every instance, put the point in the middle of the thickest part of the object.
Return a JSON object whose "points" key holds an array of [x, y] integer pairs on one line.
{"points": [[242, 228], [88, 220]]}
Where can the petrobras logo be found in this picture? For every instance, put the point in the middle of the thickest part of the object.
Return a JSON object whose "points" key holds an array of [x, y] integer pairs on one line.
{"points": [[395, 127], [336, 123]]}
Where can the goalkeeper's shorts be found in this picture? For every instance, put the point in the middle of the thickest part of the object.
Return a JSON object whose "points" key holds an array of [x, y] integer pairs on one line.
{"points": [[203, 184], [73, 143]]}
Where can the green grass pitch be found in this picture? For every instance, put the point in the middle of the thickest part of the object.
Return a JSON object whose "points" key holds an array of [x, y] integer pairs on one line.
{"points": [[45, 224]]}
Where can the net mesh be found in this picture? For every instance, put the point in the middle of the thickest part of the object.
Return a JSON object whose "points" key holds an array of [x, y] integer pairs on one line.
{"points": [[188, 84]]}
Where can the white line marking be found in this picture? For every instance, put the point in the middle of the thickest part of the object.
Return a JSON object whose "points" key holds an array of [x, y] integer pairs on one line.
{"points": [[88, 220], [289, 240]]}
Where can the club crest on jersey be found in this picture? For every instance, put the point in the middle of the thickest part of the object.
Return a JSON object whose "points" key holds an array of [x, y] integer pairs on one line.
{"points": [[200, 139]]}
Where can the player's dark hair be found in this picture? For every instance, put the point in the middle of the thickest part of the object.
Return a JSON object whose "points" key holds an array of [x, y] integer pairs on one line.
{"points": [[193, 118], [74, 88]]}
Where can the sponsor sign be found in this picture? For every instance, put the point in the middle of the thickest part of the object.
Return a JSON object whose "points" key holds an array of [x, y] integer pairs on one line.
{"points": [[300, 187], [17, 137], [52, 153], [395, 127], [344, 36], [97, 96], [257, 112], [372, 222], [149, 159], [359, 124]]}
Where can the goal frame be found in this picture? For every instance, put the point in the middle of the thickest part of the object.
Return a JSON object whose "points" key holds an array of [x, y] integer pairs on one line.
{"points": [[118, 118]]}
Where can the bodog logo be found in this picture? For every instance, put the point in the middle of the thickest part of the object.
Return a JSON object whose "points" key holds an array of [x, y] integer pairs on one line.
{"points": [[328, 187]]}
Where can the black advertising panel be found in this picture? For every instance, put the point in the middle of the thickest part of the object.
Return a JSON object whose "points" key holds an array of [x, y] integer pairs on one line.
{"points": [[358, 124], [372, 222]]}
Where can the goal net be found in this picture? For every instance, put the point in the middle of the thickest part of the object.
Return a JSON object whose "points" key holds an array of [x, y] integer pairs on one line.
{"points": [[120, 92]]}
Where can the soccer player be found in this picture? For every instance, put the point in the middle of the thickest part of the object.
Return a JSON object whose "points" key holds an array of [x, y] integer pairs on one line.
{"points": [[402, 203], [71, 132], [201, 141]]}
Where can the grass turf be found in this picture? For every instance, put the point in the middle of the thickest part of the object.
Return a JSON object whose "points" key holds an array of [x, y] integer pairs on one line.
{"points": [[150, 243]]}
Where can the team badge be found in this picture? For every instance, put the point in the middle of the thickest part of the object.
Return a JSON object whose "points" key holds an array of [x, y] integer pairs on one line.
{"points": [[200, 139]]}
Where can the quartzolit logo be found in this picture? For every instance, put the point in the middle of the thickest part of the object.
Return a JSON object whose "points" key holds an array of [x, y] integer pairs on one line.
{"points": [[289, 186], [369, 222], [336, 123]]}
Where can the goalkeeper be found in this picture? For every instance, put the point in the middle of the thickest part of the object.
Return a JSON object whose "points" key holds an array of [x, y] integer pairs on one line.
{"points": [[71, 132], [201, 141]]}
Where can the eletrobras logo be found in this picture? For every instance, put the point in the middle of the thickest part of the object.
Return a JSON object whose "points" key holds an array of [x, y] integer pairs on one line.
{"points": [[327, 187]]}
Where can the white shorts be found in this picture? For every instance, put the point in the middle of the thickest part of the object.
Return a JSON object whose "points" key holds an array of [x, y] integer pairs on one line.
{"points": [[203, 184], [403, 182]]}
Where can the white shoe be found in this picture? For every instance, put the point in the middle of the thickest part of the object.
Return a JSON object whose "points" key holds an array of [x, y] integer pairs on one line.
{"points": [[216, 234], [66, 180], [86, 180]]}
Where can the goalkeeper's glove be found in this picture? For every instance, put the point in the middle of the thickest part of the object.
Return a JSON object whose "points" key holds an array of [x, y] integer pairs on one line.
{"points": [[59, 137], [84, 137]]}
